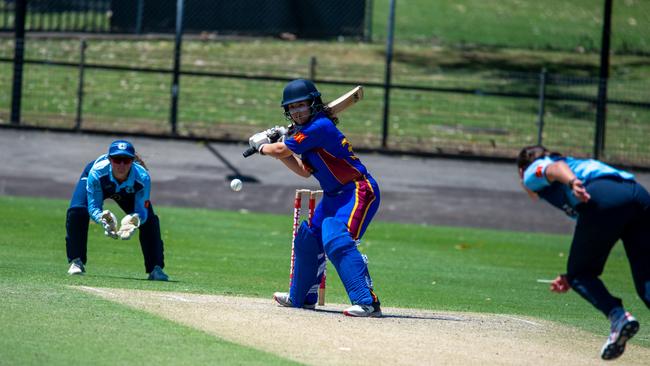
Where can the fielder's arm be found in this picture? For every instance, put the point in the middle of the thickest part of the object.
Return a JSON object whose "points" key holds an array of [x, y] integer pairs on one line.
{"points": [[560, 172]]}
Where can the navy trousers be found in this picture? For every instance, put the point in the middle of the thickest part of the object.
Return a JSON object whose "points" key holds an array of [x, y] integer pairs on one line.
{"points": [[77, 220], [618, 209]]}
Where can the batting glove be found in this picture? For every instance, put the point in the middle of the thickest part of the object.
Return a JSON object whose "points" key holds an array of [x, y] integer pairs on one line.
{"points": [[258, 140], [129, 224], [277, 133], [109, 222], [560, 284]]}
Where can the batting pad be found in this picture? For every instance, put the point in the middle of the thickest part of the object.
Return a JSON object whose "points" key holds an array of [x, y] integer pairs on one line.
{"points": [[305, 270], [343, 253]]}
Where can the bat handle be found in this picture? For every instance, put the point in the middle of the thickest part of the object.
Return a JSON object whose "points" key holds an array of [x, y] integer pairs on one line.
{"points": [[250, 151]]}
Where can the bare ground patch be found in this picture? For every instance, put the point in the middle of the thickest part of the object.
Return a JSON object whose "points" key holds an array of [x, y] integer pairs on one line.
{"points": [[401, 337]]}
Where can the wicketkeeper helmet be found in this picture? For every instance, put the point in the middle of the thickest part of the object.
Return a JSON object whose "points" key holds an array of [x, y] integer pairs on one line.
{"points": [[299, 90]]}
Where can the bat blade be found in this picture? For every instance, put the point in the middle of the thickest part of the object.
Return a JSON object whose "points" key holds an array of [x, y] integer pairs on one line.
{"points": [[346, 100]]}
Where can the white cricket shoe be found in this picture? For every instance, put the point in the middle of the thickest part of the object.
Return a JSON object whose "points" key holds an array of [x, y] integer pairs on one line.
{"points": [[623, 328], [363, 311], [283, 299], [76, 267]]}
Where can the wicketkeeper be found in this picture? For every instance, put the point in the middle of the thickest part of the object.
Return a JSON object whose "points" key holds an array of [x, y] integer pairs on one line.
{"points": [[350, 200], [122, 176], [608, 205]]}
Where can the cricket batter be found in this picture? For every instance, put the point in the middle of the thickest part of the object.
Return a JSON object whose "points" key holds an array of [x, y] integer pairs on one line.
{"points": [[122, 176], [350, 200], [609, 205]]}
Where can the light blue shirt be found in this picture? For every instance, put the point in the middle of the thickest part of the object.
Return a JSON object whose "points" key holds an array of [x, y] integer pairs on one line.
{"points": [[101, 185], [584, 169]]}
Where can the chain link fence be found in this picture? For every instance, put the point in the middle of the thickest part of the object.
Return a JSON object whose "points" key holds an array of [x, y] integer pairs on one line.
{"points": [[287, 18], [461, 100]]}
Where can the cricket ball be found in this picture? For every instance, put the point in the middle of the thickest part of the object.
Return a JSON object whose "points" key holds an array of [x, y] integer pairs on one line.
{"points": [[236, 185]]}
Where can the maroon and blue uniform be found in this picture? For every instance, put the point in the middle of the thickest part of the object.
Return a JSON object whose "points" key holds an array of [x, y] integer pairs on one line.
{"points": [[350, 193], [350, 200]]}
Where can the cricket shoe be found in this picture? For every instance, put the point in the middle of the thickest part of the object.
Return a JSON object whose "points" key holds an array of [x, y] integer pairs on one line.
{"points": [[363, 311], [76, 267], [157, 274], [283, 299], [624, 328]]}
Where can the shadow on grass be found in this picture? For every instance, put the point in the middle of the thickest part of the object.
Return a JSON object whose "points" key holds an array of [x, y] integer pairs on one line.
{"points": [[128, 278], [396, 316], [509, 61]]}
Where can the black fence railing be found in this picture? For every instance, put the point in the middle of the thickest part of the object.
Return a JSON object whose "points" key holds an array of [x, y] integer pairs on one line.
{"points": [[452, 101], [490, 117], [286, 18]]}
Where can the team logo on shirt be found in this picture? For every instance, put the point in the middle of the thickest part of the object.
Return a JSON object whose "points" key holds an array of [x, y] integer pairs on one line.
{"points": [[299, 137], [539, 171]]}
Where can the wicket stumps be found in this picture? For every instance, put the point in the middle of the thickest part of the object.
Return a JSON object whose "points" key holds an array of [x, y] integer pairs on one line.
{"points": [[297, 208]]}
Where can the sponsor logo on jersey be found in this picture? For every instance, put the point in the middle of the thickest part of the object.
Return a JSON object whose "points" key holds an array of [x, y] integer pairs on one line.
{"points": [[539, 172], [299, 137]]}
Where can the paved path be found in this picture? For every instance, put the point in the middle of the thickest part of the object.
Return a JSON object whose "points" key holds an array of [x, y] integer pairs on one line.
{"points": [[189, 174]]}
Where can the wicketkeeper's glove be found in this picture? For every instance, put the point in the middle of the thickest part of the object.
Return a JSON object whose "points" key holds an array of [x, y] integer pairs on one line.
{"points": [[129, 224], [109, 222]]}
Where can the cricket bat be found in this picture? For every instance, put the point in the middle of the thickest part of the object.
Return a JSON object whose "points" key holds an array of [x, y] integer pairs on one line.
{"points": [[346, 100]]}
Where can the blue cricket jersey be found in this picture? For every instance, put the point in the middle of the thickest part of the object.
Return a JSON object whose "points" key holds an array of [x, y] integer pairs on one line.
{"points": [[101, 185], [560, 195], [326, 153]]}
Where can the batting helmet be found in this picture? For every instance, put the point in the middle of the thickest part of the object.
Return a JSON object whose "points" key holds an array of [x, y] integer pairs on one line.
{"points": [[299, 90]]}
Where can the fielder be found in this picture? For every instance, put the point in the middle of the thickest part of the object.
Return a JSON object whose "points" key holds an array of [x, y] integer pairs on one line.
{"points": [[122, 176], [350, 200], [609, 205]]}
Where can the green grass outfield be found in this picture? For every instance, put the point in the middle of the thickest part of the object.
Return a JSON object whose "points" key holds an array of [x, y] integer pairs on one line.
{"points": [[468, 44], [549, 24], [231, 253]]}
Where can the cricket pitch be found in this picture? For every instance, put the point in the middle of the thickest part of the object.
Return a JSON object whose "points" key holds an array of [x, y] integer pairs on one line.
{"points": [[402, 337]]}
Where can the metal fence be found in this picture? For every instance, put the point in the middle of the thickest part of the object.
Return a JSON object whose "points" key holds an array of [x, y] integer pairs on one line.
{"points": [[465, 103], [305, 18]]}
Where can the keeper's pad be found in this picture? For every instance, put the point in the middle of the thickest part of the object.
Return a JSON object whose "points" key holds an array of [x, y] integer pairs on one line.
{"points": [[342, 251], [306, 265]]}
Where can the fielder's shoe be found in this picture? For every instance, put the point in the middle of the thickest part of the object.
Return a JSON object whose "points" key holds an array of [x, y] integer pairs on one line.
{"points": [[76, 267], [157, 274], [624, 328], [373, 310], [283, 299]]}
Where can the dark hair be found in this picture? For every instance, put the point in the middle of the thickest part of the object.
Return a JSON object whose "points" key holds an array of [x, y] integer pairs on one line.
{"points": [[140, 161], [531, 153], [320, 106], [316, 106]]}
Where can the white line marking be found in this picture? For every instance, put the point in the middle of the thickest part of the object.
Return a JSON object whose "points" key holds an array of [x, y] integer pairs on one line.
{"points": [[519, 319], [544, 281], [96, 290], [178, 298]]}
